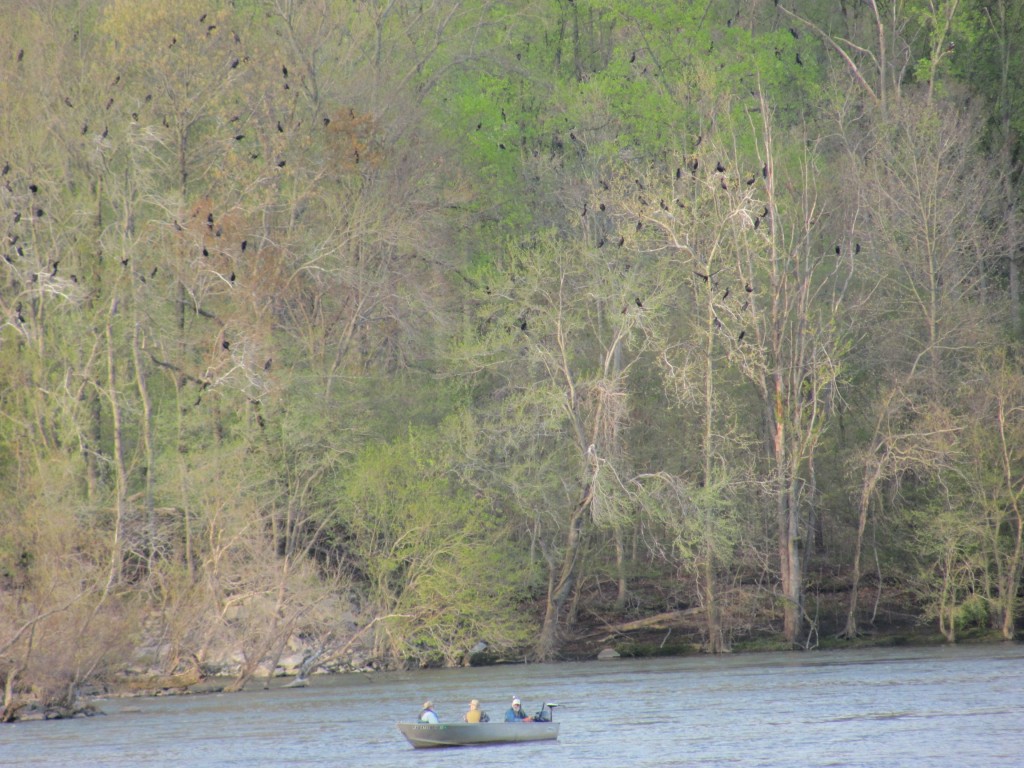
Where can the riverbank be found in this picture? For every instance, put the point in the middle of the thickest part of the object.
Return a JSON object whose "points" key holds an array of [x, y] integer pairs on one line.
{"points": [[602, 633], [648, 645]]}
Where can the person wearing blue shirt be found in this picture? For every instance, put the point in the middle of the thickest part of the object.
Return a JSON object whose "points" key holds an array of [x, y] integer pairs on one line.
{"points": [[516, 714]]}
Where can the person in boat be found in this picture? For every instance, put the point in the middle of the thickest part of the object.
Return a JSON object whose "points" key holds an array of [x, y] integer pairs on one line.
{"points": [[516, 714], [475, 714], [428, 715]]}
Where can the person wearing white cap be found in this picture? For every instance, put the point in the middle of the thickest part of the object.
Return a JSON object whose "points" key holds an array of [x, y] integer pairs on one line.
{"points": [[516, 714]]}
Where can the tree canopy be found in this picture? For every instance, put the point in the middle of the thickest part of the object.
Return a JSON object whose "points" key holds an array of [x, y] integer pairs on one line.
{"points": [[420, 328]]}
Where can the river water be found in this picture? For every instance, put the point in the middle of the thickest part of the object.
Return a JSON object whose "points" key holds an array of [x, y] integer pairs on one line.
{"points": [[896, 707]]}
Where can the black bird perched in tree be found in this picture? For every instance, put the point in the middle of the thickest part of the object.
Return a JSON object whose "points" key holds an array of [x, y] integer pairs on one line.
{"points": [[39, 213], [280, 128], [639, 225], [53, 272], [723, 184], [239, 136], [719, 167], [726, 294], [153, 273], [740, 337], [266, 365], [231, 278], [621, 241], [33, 188], [67, 101], [856, 248], [798, 59], [701, 275], [716, 322], [280, 163], [245, 244], [838, 250], [757, 222], [226, 344], [284, 70], [638, 302], [234, 63], [764, 171], [751, 180], [748, 287], [600, 243], [5, 170]]}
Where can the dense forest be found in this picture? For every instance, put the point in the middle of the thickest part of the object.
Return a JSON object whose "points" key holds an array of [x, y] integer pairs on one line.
{"points": [[398, 328]]}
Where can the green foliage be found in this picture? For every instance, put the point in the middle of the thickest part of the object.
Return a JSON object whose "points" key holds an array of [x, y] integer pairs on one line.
{"points": [[972, 613], [437, 566]]}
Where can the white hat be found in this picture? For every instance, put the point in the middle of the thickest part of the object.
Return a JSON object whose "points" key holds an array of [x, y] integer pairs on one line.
{"points": [[515, 700]]}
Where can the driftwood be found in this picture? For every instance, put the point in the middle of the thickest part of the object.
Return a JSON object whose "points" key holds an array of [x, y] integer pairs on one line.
{"points": [[666, 620], [149, 684]]}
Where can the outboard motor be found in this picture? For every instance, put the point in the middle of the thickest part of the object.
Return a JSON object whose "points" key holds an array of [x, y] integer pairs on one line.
{"points": [[540, 717]]}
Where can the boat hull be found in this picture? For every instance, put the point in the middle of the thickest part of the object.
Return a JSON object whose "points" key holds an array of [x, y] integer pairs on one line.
{"points": [[426, 735]]}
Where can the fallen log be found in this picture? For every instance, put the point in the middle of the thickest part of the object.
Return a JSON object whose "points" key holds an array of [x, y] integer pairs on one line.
{"points": [[665, 620]]}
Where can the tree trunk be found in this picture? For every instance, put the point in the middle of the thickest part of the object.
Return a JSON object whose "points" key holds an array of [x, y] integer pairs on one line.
{"points": [[120, 470], [561, 589], [142, 384], [862, 522]]}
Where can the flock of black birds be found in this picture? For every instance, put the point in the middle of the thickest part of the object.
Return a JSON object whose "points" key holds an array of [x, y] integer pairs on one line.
{"points": [[36, 212], [711, 280], [20, 195]]}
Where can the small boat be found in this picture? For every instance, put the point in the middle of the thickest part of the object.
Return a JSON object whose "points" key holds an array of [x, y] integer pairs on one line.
{"points": [[423, 735], [541, 728]]}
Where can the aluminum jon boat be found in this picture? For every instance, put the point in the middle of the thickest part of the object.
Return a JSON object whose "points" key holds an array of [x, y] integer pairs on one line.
{"points": [[423, 735]]}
